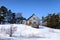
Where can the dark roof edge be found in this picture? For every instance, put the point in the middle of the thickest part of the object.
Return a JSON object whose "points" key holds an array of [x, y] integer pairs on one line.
{"points": [[30, 17]]}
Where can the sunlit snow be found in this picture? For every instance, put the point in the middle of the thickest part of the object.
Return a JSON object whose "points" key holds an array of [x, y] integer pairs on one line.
{"points": [[24, 32]]}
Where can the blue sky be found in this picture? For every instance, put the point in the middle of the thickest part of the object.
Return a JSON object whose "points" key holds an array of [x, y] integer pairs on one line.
{"points": [[28, 7]]}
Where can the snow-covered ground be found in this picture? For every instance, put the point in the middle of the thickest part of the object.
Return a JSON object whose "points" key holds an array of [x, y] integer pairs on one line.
{"points": [[24, 32]]}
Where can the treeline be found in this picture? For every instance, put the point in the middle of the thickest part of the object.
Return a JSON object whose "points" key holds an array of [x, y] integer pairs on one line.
{"points": [[8, 17], [52, 20]]}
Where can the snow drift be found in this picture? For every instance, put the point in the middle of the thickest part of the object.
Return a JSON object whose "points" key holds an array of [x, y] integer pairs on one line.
{"points": [[28, 31], [23, 31]]}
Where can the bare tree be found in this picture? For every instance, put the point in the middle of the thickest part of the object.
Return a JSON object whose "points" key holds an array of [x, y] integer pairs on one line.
{"points": [[12, 30]]}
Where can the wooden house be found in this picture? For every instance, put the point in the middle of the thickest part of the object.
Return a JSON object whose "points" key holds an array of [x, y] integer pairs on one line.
{"points": [[33, 21]]}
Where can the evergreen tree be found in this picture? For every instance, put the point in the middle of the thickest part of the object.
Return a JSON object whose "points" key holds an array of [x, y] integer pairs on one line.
{"points": [[1, 19], [13, 20], [3, 12], [53, 21]]}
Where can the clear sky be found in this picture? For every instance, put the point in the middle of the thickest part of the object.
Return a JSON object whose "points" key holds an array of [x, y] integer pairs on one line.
{"points": [[28, 7]]}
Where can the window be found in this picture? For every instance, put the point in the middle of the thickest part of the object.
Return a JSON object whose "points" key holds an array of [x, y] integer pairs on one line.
{"points": [[34, 22], [33, 18]]}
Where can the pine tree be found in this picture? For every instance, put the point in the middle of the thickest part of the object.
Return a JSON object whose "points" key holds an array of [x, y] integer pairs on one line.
{"points": [[3, 13], [53, 21]]}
